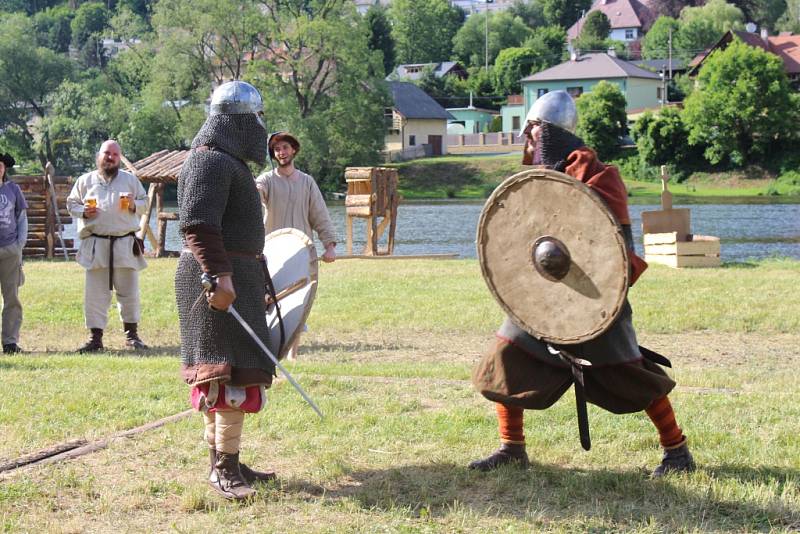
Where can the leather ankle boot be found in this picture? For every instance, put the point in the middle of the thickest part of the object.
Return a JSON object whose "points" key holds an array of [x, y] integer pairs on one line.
{"points": [[227, 480], [675, 460], [508, 453], [95, 342], [132, 337], [252, 476]]}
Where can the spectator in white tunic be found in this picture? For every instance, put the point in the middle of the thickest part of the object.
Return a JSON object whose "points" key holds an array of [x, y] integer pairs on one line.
{"points": [[292, 199], [107, 203]]}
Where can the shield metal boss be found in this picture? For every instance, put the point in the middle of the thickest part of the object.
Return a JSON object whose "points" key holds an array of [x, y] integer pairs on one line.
{"points": [[293, 267], [553, 256]]}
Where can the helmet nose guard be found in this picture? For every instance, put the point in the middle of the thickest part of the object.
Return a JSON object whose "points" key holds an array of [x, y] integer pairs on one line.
{"points": [[236, 98], [555, 107]]}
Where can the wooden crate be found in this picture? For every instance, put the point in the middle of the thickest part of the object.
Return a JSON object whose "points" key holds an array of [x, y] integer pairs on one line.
{"points": [[696, 251]]}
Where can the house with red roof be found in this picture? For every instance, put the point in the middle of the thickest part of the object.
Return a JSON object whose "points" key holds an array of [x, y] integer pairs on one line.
{"points": [[630, 19], [786, 46]]}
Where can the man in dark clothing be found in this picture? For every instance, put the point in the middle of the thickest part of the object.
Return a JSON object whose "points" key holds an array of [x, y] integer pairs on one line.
{"points": [[220, 220], [520, 373]]}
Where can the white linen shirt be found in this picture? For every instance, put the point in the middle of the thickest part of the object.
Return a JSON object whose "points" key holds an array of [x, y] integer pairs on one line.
{"points": [[111, 219]]}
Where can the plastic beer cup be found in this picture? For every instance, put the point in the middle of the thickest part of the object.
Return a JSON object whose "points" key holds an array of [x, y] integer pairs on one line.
{"points": [[124, 201]]}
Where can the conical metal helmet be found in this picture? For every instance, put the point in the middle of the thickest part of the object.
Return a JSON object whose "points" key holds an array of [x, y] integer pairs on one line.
{"points": [[235, 98], [555, 107]]}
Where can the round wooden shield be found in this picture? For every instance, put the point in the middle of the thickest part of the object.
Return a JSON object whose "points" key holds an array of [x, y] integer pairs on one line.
{"points": [[553, 256], [293, 267]]}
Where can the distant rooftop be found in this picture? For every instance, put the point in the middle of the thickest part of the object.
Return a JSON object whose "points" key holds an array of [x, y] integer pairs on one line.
{"points": [[592, 66], [414, 103]]}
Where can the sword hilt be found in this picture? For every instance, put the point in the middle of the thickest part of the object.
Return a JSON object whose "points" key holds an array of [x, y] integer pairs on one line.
{"points": [[208, 282]]}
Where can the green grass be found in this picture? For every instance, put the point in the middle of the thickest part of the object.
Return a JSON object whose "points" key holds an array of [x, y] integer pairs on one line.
{"points": [[388, 358], [475, 177]]}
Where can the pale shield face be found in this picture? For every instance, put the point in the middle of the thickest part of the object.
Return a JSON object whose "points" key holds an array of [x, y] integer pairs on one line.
{"points": [[553, 256], [293, 266]]}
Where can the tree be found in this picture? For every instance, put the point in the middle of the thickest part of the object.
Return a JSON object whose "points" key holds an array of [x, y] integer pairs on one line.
{"points": [[505, 31], [90, 19], [602, 119], [762, 12], [531, 13], [423, 30], [23, 90], [671, 8], [594, 33], [790, 20], [380, 35], [53, 28], [655, 44], [549, 43], [702, 27], [743, 106], [564, 13], [662, 139], [511, 66]]}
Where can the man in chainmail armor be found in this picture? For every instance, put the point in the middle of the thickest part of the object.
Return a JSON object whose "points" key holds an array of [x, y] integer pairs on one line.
{"points": [[220, 221], [519, 373]]}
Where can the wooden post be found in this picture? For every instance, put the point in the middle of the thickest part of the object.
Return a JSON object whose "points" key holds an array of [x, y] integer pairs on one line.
{"points": [[666, 196], [161, 230], [49, 224], [144, 221], [349, 228]]}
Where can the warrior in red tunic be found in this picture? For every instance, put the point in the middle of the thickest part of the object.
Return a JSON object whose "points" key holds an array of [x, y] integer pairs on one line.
{"points": [[519, 372]]}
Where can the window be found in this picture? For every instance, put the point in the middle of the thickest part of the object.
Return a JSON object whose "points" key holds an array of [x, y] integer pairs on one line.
{"points": [[541, 92], [575, 92], [515, 123], [630, 35], [412, 140]]}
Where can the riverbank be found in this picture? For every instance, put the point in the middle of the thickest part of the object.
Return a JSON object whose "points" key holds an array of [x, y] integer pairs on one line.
{"points": [[388, 358], [475, 177]]}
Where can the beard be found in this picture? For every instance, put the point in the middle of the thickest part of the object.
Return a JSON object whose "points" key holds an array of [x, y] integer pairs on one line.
{"points": [[109, 170], [285, 162]]}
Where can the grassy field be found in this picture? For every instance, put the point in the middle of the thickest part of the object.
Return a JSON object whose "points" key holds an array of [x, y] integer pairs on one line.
{"points": [[474, 177], [388, 358]]}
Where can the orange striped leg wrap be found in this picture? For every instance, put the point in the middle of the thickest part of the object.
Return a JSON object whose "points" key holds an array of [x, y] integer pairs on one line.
{"points": [[509, 419], [669, 433]]}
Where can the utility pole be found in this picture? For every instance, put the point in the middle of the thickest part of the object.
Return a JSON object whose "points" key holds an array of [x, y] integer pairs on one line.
{"points": [[486, 41], [670, 54]]}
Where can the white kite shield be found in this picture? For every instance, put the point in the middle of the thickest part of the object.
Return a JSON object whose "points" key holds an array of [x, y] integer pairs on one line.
{"points": [[293, 266], [553, 256]]}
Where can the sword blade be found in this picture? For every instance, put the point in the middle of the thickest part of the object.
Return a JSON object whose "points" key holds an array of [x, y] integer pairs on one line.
{"points": [[266, 351], [583, 416]]}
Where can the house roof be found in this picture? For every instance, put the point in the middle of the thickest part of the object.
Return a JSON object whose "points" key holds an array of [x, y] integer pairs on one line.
{"points": [[785, 46], [160, 167], [657, 65], [592, 66], [414, 71], [621, 13], [414, 103]]}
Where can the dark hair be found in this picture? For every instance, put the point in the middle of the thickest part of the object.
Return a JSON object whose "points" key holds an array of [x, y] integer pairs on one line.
{"points": [[8, 161]]}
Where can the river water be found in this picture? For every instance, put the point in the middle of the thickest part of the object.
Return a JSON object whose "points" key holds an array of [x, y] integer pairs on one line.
{"points": [[748, 229]]}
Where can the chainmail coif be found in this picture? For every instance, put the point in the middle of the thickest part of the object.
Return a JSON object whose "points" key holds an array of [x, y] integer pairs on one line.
{"points": [[557, 144], [241, 136], [216, 190]]}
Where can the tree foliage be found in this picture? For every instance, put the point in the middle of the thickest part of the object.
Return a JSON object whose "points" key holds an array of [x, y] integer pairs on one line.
{"points": [[655, 44], [511, 66], [53, 28], [701, 27], [23, 90], [790, 20], [380, 35], [90, 20], [594, 33], [602, 119], [564, 13], [743, 107], [423, 30], [661, 138], [505, 31], [531, 13]]}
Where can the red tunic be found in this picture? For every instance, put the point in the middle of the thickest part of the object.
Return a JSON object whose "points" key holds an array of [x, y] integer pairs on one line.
{"points": [[583, 165]]}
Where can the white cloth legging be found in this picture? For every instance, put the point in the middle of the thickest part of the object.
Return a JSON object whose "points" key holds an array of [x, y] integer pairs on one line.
{"points": [[223, 430], [97, 296]]}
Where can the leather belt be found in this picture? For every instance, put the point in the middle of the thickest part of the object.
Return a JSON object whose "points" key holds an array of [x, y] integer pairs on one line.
{"points": [[111, 239]]}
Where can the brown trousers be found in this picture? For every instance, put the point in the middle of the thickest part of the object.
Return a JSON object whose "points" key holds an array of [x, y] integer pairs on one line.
{"points": [[511, 376]]}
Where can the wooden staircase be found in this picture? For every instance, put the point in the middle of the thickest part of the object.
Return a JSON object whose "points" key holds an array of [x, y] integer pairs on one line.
{"points": [[43, 241]]}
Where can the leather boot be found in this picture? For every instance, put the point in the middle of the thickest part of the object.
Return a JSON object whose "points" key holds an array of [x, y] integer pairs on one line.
{"points": [[132, 340], [227, 480], [675, 460], [251, 476], [508, 453], [95, 342]]}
